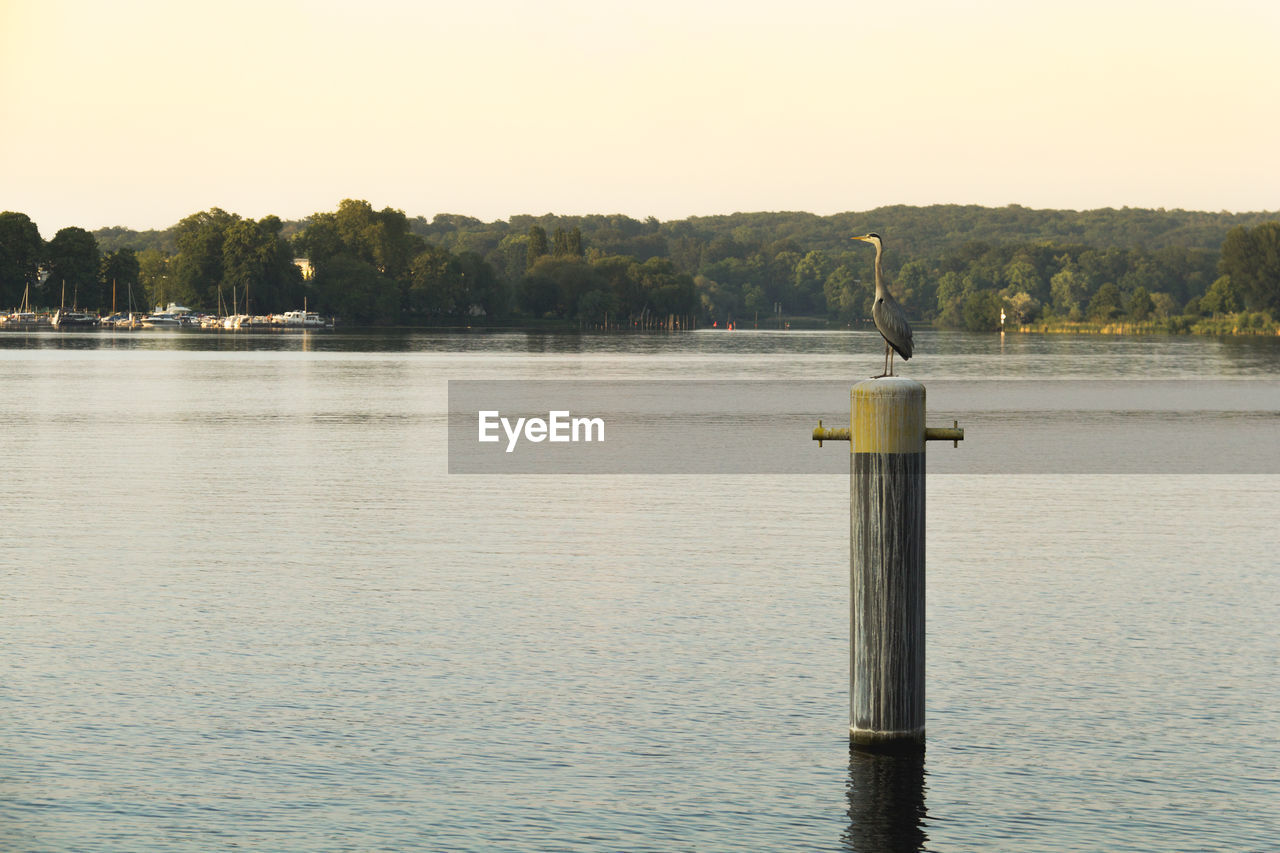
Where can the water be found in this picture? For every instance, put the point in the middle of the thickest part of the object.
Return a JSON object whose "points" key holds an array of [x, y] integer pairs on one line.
{"points": [[245, 607]]}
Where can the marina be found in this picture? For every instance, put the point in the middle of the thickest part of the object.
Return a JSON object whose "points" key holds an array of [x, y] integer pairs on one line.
{"points": [[172, 317]]}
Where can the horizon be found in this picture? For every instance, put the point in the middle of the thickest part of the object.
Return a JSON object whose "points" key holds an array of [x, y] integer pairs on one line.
{"points": [[506, 220], [671, 110]]}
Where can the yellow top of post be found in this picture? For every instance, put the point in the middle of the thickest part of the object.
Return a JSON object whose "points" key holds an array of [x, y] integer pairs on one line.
{"points": [[887, 416]]}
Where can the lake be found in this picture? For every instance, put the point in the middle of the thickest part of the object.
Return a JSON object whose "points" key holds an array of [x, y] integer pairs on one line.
{"points": [[245, 606]]}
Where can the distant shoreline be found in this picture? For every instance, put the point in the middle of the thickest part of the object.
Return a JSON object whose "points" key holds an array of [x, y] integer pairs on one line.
{"points": [[1237, 325]]}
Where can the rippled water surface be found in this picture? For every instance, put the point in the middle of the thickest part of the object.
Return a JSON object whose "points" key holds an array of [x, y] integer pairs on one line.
{"points": [[244, 606]]}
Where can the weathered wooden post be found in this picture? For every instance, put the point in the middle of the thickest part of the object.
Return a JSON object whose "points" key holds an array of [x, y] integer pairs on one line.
{"points": [[886, 559]]}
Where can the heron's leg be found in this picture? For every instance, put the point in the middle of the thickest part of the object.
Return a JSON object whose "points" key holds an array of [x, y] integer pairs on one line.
{"points": [[886, 362], [890, 362]]}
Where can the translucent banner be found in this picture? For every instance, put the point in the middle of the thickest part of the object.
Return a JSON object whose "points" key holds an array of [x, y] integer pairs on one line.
{"points": [[765, 427]]}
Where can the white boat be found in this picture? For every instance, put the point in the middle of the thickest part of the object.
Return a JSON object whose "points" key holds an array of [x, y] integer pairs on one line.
{"points": [[23, 317], [121, 321], [64, 319], [306, 319], [161, 320], [168, 318]]}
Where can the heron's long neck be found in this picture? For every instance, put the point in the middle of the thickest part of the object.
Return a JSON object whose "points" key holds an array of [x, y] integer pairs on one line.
{"points": [[880, 290]]}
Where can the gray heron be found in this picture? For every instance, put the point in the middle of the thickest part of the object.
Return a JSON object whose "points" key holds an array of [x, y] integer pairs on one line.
{"points": [[890, 319]]}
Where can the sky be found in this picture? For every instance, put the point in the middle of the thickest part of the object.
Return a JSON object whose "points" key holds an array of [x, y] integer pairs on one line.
{"points": [[141, 112]]}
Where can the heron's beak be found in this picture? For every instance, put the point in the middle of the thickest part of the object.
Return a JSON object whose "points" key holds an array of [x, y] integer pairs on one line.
{"points": [[863, 238]]}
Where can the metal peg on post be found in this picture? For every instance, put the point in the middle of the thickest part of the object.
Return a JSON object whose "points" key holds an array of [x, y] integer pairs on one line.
{"points": [[886, 559]]}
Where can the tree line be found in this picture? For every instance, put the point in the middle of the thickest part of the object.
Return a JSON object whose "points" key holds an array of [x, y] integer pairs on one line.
{"points": [[954, 266]]}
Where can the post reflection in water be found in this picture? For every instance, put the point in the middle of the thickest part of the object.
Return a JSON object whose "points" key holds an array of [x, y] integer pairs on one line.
{"points": [[886, 802]]}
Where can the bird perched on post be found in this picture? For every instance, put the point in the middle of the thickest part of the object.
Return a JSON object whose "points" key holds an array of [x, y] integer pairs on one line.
{"points": [[890, 319]]}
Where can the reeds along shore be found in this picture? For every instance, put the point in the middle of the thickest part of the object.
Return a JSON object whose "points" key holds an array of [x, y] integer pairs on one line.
{"points": [[1255, 325]]}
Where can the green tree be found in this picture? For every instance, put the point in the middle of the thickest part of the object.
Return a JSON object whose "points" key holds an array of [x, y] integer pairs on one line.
{"points": [[198, 268], [321, 241], [1140, 306], [810, 274], [981, 311], [438, 287], [119, 275], [482, 286], [393, 244], [1163, 305], [258, 263], [510, 259], [1141, 274], [382, 239], [571, 278], [537, 245], [951, 295], [686, 252], [1251, 260], [1223, 297], [595, 306], [718, 304], [1067, 289], [539, 296], [1023, 307], [560, 242], [1020, 274], [665, 290], [914, 290], [622, 276], [355, 223], [20, 252], [344, 244], [780, 281], [845, 294], [355, 292], [154, 269], [73, 261], [1106, 303], [245, 256]]}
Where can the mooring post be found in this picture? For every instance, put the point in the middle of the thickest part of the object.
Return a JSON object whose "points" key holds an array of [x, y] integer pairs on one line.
{"points": [[886, 559], [886, 562]]}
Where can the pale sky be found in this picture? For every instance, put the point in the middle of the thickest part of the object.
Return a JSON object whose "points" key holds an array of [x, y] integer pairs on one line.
{"points": [[140, 112]]}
